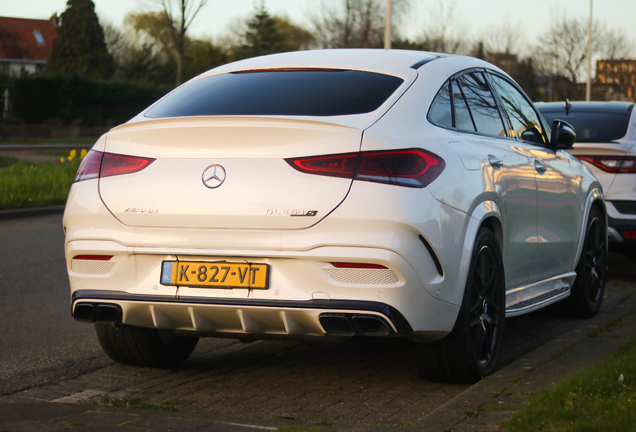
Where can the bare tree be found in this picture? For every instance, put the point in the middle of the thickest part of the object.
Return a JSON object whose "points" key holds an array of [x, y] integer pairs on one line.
{"points": [[563, 48], [116, 42], [178, 16], [152, 30], [234, 34], [442, 32], [353, 23], [616, 45], [505, 38]]}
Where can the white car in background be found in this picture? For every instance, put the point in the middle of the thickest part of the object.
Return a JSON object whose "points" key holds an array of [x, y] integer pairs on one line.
{"points": [[606, 143], [334, 194]]}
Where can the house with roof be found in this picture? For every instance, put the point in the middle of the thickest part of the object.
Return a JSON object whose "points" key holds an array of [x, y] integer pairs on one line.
{"points": [[25, 44]]}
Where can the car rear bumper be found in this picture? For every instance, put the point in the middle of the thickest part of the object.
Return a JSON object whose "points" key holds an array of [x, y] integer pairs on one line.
{"points": [[618, 229], [425, 284], [246, 318], [620, 234], [308, 297]]}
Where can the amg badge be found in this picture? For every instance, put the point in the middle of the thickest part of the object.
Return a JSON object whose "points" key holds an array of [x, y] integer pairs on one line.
{"points": [[140, 210], [290, 212]]}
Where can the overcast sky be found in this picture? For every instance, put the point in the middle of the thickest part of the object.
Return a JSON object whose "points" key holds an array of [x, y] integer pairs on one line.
{"points": [[474, 17]]}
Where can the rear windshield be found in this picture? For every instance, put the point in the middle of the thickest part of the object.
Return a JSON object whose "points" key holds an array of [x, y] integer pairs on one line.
{"points": [[287, 93], [594, 126]]}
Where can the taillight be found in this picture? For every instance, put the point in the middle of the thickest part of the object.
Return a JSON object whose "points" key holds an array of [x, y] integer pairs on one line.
{"points": [[97, 164], [410, 167], [630, 234], [612, 164], [89, 167], [116, 164], [341, 165], [357, 265]]}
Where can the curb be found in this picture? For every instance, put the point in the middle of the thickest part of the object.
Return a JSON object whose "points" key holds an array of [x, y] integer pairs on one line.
{"points": [[489, 402], [30, 212]]}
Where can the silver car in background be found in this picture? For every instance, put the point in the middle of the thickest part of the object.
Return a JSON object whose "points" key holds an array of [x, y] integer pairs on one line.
{"points": [[331, 195]]}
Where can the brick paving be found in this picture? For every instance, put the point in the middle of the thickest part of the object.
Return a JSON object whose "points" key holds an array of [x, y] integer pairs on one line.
{"points": [[363, 385]]}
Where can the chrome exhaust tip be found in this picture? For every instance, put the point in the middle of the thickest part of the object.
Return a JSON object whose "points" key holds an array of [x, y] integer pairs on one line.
{"points": [[98, 313], [336, 325], [354, 325], [370, 325]]}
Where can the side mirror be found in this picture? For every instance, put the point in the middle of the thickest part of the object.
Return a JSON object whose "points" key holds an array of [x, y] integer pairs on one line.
{"points": [[533, 135], [563, 135]]}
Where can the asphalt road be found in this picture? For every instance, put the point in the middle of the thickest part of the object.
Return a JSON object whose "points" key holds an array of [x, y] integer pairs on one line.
{"points": [[46, 355], [38, 332]]}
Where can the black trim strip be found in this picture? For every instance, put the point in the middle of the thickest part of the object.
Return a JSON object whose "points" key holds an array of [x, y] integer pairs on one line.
{"points": [[621, 225], [625, 207], [429, 248], [400, 322]]}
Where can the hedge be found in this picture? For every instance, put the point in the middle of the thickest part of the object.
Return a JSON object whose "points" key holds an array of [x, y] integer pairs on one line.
{"points": [[77, 100]]}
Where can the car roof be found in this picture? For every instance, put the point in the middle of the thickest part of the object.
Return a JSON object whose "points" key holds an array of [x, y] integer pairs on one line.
{"points": [[582, 106], [403, 58], [406, 64]]}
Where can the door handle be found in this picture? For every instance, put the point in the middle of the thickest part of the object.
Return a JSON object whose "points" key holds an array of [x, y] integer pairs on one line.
{"points": [[540, 167], [494, 162]]}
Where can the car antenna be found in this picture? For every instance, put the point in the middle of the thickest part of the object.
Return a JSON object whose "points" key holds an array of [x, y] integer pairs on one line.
{"points": [[568, 105]]}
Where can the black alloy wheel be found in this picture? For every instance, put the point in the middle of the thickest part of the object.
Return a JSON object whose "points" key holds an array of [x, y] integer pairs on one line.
{"points": [[486, 312], [595, 254], [588, 288], [471, 350]]}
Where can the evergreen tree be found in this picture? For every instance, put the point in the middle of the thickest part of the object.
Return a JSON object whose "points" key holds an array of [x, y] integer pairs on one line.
{"points": [[79, 48], [295, 38], [262, 36]]}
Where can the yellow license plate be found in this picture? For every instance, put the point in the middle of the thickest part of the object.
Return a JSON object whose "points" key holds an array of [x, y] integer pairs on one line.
{"points": [[216, 274]]}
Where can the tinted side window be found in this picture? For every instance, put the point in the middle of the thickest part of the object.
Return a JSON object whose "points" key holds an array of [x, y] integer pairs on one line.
{"points": [[525, 121], [482, 104], [320, 92], [463, 121], [441, 113]]}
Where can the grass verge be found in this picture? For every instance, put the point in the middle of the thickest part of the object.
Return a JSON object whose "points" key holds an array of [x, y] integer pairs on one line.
{"points": [[24, 184], [600, 398]]}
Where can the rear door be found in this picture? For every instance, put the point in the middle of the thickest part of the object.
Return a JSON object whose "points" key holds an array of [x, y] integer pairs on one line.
{"points": [[559, 212], [507, 172]]}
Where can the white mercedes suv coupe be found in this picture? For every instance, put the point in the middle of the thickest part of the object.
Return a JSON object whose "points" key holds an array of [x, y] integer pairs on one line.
{"points": [[334, 194]]}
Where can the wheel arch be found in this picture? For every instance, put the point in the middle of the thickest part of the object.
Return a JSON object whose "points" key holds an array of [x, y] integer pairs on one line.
{"points": [[493, 223], [488, 214], [596, 199], [600, 204]]}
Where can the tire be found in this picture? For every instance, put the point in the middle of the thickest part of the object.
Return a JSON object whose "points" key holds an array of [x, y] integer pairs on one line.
{"points": [[144, 347], [588, 288], [471, 350]]}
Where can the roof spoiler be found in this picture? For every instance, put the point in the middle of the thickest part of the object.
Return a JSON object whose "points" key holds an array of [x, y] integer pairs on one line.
{"points": [[423, 62]]}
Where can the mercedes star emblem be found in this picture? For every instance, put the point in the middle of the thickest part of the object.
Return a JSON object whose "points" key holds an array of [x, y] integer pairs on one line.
{"points": [[213, 176]]}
